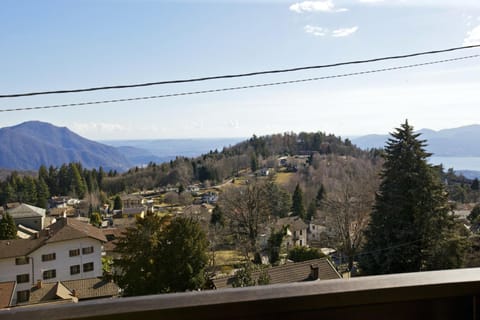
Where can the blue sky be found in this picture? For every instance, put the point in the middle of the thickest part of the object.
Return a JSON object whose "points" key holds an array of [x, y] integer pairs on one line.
{"points": [[48, 45]]}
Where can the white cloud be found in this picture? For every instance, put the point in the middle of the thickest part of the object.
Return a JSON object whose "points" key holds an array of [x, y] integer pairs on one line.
{"points": [[315, 6], [324, 32], [316, 31], [473, 37], [370, 1], [344, 32]]}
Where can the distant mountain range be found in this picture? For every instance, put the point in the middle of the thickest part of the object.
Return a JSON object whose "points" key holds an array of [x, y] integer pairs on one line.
{"points": [[31, 144], [456, 142], [28, 145]]}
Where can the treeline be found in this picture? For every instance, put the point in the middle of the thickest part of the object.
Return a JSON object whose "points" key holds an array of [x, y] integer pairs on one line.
{"points": [[69, 179]]}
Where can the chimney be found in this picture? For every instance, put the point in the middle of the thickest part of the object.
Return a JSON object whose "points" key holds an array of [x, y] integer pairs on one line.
{"points": [[39, 284], [314, 274]]}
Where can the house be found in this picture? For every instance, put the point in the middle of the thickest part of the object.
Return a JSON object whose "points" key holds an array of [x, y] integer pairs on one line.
{"points": [[72, 291], [316, 231], [7, 290], [28, 216], [296, 231], [68, 250], [311, 270], [131, 201]]}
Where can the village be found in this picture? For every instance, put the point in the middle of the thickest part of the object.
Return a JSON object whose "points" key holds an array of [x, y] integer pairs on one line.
{"points": [[60, 255]]}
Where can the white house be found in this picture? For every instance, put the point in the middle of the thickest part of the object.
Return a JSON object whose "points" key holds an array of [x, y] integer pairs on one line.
{"points": [[68, 250], [296, 231], [28, 216]]}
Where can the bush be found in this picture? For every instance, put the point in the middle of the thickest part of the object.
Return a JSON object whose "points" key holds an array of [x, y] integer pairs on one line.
{"points": [[299, 254]]}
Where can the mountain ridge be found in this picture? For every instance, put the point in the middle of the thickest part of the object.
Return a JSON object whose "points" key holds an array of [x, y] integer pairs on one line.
{"points": [[29, 145]]}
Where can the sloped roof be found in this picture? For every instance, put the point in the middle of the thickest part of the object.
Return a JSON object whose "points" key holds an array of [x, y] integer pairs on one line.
{"points": [[49, 292], [6, 293], [288, 273], [92, 288], [295, 223], [26, 211], [19, 247], [62, 230], [70, 229]]}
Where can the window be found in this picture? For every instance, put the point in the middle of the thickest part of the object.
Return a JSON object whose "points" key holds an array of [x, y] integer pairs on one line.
{"points": [[74, 252], [88, 267], [300, 232], [48, 257], [49, 274], [23, 296], [75, 269], [22, 278], [87, 250], [22, 260]]}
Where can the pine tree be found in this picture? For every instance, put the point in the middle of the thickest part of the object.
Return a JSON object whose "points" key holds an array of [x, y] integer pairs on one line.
{"points": [[410, 228], [8, 229], [298, 208]]}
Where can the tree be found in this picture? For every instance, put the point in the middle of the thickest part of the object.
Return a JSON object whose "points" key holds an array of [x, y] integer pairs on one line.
{"points": [[8, 229], [298, 208], [96, 219], [348, 204], [161, 255], [217, 217], [117, 203], [275, 244], [475, 184], [247, 210], [299, 254], [410, 228], [474, 215]]}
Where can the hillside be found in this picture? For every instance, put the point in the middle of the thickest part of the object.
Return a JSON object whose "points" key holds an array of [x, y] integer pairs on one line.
{"points": [[31, 144]]}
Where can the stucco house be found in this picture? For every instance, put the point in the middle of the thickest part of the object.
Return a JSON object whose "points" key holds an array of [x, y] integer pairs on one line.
{"points": [[67, 250], [29, 216]]}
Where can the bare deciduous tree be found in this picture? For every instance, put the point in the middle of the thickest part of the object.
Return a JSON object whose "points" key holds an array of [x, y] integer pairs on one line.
{"points": [[247, 212], [349, 201]]}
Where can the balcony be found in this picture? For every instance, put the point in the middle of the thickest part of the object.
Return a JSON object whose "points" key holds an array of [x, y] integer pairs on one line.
{"points": [[450, 294]]}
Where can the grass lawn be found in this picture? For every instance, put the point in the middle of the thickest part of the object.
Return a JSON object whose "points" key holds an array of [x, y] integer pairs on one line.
{"points": [[227, 257], [282, 178]]}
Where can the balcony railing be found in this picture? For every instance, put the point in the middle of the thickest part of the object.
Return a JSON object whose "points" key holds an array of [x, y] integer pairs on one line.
{"points": [[450, 294]]}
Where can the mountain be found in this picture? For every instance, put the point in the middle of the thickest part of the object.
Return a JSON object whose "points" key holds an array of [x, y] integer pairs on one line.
{"points": [[28, 145], [456, 142]]}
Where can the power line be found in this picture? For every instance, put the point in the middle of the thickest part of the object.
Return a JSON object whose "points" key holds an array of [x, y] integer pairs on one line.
{"points": [[239, 87], [147, 84]]}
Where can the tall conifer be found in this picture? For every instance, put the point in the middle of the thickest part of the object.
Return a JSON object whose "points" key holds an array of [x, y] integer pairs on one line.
{"points": [[410, 227]]}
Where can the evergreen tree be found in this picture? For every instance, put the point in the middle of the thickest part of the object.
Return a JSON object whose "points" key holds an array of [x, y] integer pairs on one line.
{"points": [[160, 256], [475, 184], [117, 203], [298, 208], [320, 195], [311, 211], [8, 229], [42, 193], [410, 228]]}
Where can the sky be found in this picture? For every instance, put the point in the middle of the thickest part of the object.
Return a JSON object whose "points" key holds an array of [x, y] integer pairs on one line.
{"points": [[54, 45]]}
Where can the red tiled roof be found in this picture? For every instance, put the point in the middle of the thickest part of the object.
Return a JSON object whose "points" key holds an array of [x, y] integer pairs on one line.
{"points": [[288, 273], [6, 293], [69, 229]]}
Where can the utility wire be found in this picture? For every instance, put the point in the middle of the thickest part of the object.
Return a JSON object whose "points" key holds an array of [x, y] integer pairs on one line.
{"points": [[188, 93], [147, 84]]}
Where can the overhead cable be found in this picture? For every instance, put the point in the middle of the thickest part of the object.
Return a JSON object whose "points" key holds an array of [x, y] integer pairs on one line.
{"points": [[188, 93], [250, 74]]}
